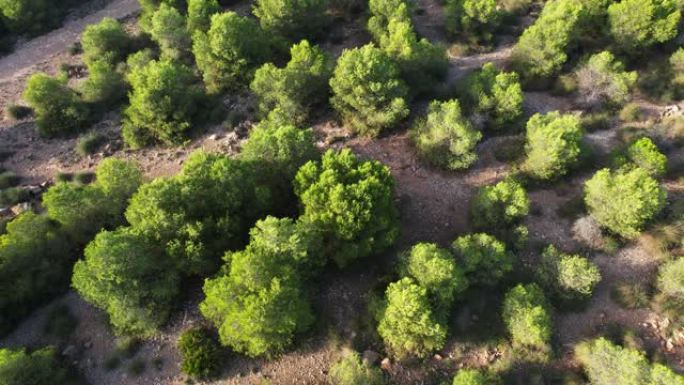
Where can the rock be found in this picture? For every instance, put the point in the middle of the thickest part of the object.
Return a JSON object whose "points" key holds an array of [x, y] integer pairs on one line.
{"points": [[385, 364], [214, 137], [669, 345], [370, 357], [88, 344], [672, 111], [438, 357]]}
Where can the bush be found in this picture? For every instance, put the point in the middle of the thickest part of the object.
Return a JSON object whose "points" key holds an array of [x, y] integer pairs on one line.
{"points": [[294, 19], [630, 295], [499, 205], [105, 41], [408, 325], [631, 112], [383, 12], [445, 138], [200, 354], [527, 316], [495, 95], [607, 364], [34, 266], [471, 377], [13, 195], [671, 278], [89, 143], [571, 277], [104, 86], [33, 17], [435, 270], [293, 90], [635, 25], [485, 259], [542, 49], [623, 201], [9, 179], [18, 112], [164, 104], [602, 81], [677, 67], [367, 92], [59, 111], [351, 203], [351, 371], [168, 29], [41, 367], [554, 144], [200, 13], [474, 18], [230, 51], [643, 153], [129, 279]]}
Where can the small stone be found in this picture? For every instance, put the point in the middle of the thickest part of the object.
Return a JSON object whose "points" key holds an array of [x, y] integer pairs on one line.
{"points": [[669, 345], [438, 357], [385, 364], [88, 344]]}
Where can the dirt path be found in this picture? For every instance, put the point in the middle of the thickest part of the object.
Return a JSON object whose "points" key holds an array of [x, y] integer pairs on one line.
{"points": [[42, 48]]}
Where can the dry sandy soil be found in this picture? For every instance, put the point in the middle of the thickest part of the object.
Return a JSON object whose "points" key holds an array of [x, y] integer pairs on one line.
{"points": [[434, 207]]}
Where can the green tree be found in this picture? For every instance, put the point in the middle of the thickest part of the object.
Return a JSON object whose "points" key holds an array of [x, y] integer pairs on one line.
{"points": [[639, 24], [436, 270], [383, 12], [446, 138], [164, 104], [105, 84], [33, 17], [542, 49], [643, 153], [200, 13], [603, 81], [350, 370], [408, 325], [118, 179], [351, 202], [230, 51], [293, 90], [106, 40], [476, 18], [41, 367], [367, 91], [662, 375], [148, 7], [570, 277], [200, 354], [129, 279], [82, 210], [58, 109], [499, 205], [553, 144], [485, 259], [495, 95], [623, 201], [528, 316], [294, 19], [168, 29], [608, 364], [34, 266]]}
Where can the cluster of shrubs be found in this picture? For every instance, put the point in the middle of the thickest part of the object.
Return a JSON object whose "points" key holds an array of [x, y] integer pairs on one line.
{"points": [[40, 367]]}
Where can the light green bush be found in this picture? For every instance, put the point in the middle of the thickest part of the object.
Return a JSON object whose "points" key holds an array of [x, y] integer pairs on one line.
{"points": [[485, 259], [495, 95], [553, 144]]}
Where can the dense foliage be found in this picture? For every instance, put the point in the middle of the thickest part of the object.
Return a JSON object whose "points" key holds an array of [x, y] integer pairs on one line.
{"points": [[58, 109], [106, 40], [485, 259], [200, 13], [643, 153], [553, 144], [499, 205], [350, 370], [635, 24], [623, 201], [603, 81], [367, 91], [527, 316], [351, 203], [445, 138], [168, 29], [295, 19], [474, 18], [572, 278], [200, 354], [33, 17]]}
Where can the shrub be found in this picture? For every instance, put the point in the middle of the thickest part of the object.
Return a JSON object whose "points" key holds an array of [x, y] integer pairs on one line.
{"points": [[106, 40], [105, 84], [367, 92], [58, 109], [34, 265], [445, 138], [606, 363], [408, 325], [13, 195], [89, 143], [542, 49], [485, 259], [164, 103], [82, 210], [476, 18], [200, 354], [677, 67], [18, 112], [33, 17], [495, 95], [638, 24], [623, 201], [527, 316], [230, 51], [435, 270], [351, 371], [9, 179], [671, 278], [295, 19], [470, 377], [127, 278], [351, 203], [119, 180], [631, 112], [643, 153], [200, 13], [603, 81], [630, 295], [499, 205], [293, 90], [168, 29], [383, 12], [41, 367], [554, 144], [571, 277]]}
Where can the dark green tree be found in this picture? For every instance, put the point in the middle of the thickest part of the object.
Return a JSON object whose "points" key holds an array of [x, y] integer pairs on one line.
{"points": [[200, 13], [294, 19], [41, 367], [350, 370], [528, 317], [200, 354], [635, 25], [58, 109], [485, 259]]}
